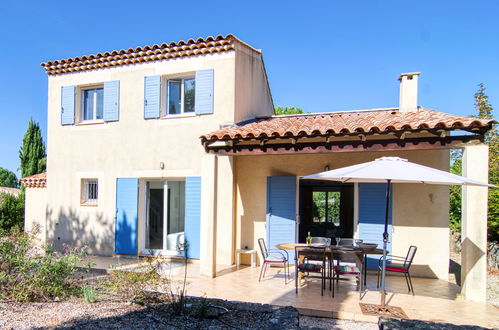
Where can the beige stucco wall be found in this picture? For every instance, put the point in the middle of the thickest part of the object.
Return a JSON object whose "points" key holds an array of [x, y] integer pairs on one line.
{"points": [[252, 97], [420, 212], [130, 147], [35, 211]]}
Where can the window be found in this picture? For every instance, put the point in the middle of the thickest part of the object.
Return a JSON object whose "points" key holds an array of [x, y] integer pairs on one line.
{"points": [[92, 104], [90, 191], [180, 96]]}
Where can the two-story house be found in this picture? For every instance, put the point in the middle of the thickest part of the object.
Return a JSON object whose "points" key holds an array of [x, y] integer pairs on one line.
{"points": [[157, 144]]}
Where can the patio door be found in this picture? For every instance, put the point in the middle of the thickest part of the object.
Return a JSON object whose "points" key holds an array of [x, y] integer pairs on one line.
{"points": [[372, 208], [281, 211]]}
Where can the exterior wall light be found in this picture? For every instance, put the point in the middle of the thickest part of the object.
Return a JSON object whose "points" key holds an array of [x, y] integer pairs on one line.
{"points": [[162, 165]]}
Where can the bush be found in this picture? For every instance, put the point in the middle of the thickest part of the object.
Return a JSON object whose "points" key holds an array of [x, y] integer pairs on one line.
{"points": [[29, 273], [11, 211], [133, 285]]}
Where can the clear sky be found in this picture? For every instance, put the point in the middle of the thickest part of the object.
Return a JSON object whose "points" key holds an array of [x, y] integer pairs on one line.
{"points": [[320, 55]]}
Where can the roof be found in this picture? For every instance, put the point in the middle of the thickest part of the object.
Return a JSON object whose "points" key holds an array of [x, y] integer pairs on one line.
{"points": [[143, 54], [341, 123], [35, 181], [10, 191]]}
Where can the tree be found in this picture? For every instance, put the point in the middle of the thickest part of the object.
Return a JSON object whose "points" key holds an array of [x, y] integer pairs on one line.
{"points": [[32, 153], [287, 110], [8, 178], [482, 104]]}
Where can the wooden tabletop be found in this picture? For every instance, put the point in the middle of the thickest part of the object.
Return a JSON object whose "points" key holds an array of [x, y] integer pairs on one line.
{"points": [[335, 248]]}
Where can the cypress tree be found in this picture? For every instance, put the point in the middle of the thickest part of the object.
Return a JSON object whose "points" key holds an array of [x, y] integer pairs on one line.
{"points": [[32, 153]]}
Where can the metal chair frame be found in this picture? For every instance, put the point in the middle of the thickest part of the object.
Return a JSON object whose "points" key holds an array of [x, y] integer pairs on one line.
{"points": [[283, 258], [404, 269]]}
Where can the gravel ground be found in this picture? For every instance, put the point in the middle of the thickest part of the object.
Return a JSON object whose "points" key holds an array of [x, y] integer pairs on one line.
{"points": [[323, 323], [122, 315]]}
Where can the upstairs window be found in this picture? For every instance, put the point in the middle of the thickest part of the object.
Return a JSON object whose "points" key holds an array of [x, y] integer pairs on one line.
{"points": [[92, 107], [174, 96], [90, 191], [95, 103], [181, 96]]}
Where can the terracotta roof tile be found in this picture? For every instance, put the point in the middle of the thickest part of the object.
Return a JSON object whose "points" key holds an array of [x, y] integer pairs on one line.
{"points": [[35, 181], [155, 52], [337, 123]]}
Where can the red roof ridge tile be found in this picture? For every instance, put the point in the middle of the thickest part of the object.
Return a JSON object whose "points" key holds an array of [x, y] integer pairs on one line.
{"points": [[191, 47], [345, 122], [35, 181]]}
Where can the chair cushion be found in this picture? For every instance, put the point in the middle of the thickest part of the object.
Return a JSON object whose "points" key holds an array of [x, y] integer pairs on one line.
{"points": [[346, 270], [397, 269], [274, 259], [308, 267]]}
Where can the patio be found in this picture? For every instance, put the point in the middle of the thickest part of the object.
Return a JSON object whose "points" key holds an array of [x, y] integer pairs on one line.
{"points": [[435, 300]]}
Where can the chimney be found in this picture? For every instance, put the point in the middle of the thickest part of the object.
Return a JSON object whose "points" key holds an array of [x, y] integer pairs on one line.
{"points": [[409, 92]]}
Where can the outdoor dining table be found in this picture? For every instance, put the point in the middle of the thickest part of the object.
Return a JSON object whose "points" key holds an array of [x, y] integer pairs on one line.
{"points": [[360, 253]]}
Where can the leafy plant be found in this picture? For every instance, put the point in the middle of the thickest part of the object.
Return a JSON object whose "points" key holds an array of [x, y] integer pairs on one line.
{"points": [[30, 272], [133, 285], [89, 294], [11, 211]]}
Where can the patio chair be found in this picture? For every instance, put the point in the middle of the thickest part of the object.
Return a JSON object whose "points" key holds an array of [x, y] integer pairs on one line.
{"points": [[399, 265], [273, 257], [304, 266], [346, 266]]}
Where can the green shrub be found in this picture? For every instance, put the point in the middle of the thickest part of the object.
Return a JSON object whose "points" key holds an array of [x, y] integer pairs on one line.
{"points": [[89, 294], [11, 211], [133, 285], [31, 273]]}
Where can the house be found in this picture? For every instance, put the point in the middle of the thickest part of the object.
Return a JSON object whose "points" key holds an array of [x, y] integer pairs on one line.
{"points": [[157, 144], [10, 191]]}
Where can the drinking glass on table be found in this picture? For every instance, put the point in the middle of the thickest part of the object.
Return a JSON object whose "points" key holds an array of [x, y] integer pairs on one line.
{"points": [[338, 239]]}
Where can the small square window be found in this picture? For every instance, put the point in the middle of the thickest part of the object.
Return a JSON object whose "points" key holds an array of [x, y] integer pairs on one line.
{"points": [[92, 104], [90, 191], [180, 96]]}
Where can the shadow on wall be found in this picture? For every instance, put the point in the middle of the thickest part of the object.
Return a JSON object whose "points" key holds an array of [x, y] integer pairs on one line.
{"points": [[96, 231]]}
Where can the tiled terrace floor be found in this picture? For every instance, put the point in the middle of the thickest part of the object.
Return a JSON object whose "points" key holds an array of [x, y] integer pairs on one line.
{"points": [[435, 300]]}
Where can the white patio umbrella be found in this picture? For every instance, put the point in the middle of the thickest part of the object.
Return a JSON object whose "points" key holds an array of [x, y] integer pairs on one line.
{"points": [[392, 170]]}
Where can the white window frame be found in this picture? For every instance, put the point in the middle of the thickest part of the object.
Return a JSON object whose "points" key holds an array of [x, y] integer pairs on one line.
{"points": [[82, 104], [85, 191], [182, 96]]}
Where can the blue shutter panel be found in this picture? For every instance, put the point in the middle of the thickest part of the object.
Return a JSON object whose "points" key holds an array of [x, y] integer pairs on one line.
{"points": [[372, 205], [67, 105], [193, 215], [111, 100], [204, 92], [152, 92], [127, 196], [281, 211]]}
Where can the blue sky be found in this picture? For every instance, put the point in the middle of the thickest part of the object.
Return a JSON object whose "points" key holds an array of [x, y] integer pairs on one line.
{"points": [[320, 55]]}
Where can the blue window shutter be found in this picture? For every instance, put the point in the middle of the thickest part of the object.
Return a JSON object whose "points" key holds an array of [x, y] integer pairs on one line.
{"points": [[111, 100], [193, 215], [127, 197], [372, 208], [152, 92], [281, 211], [204, 92], [67, 105]]}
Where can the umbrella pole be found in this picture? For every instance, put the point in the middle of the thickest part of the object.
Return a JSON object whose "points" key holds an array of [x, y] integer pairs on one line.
{"points": [[385, 244]]}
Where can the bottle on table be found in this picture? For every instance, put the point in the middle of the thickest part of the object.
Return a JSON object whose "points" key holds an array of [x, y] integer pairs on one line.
{"points": [[309, 239]]}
